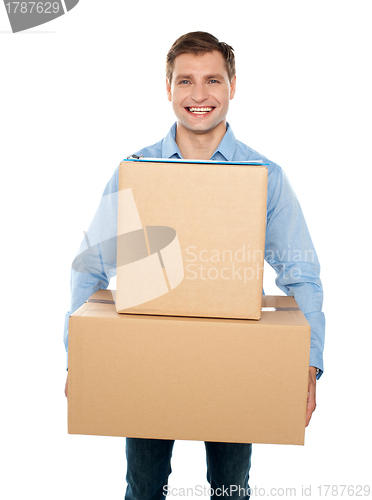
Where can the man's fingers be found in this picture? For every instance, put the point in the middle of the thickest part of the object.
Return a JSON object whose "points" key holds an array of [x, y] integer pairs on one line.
{"points": [[311, 403]]}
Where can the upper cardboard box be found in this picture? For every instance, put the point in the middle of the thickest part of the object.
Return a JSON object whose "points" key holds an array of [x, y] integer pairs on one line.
{"points": [[207, 379], [191, 238]]}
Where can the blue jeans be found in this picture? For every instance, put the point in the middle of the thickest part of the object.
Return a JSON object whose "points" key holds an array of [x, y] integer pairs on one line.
{"points": [[149, 465]]}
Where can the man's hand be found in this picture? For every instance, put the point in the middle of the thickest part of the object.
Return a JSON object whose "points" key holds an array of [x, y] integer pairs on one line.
{"points": [[311, 402], [66, 386]]}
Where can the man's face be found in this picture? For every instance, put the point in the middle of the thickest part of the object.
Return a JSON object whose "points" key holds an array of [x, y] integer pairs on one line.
{"points": [[200, 91]]}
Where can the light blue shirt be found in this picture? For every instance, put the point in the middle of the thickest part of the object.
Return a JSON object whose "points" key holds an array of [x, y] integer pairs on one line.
{"points": [[288, 248]]}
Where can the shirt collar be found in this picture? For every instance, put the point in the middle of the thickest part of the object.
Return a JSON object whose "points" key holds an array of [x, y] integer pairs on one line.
{"points": [[225, 148], [170, 148]]}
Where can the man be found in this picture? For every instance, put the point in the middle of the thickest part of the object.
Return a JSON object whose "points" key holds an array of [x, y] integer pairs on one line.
{"points": [[200, 82]]}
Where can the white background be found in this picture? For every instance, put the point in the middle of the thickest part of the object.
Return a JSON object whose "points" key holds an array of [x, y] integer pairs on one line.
{"points": [[88, 89]]}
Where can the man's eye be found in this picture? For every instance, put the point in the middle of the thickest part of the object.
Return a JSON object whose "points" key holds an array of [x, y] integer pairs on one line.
{"points": [[184, 82], [214, 81]]}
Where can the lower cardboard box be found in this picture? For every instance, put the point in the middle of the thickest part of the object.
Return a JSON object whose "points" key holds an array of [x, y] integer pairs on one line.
{"points": [[207, 379]]}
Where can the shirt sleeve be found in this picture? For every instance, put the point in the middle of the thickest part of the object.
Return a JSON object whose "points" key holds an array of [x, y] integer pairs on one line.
{"points": [[290, 251], [95, 261]]}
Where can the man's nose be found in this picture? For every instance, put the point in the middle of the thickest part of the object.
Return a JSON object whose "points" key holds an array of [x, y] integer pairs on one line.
{"points": [[199, 92]]}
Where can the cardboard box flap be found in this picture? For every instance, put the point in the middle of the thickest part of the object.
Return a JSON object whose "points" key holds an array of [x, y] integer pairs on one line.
{"points": [[283, 311]]}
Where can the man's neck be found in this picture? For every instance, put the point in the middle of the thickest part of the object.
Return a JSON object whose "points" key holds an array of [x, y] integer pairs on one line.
{"points": [[199, 146]]}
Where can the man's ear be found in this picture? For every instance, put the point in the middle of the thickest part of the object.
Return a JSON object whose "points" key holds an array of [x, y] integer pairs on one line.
{"points": [[169, 90], [232, 87]]}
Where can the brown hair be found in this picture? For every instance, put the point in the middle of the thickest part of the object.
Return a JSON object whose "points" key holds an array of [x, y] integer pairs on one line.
{"points": [[199, 43]]}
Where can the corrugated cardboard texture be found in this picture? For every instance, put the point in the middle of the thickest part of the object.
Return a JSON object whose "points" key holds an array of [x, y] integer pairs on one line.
{"points": [[189, 378], [219, 215]]}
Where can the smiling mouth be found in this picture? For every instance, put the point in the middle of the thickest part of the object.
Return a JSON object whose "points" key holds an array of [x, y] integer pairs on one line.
{"points": [[200, 110]]}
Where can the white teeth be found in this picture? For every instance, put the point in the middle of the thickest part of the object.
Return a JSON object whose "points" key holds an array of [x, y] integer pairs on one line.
{"points": [[200, 111]]}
